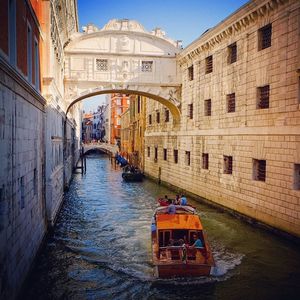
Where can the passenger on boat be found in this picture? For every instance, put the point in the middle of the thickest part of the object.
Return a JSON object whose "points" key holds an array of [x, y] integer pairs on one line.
{"points": [[172, 209], [177, 200], [183, 200], [197, 242]]}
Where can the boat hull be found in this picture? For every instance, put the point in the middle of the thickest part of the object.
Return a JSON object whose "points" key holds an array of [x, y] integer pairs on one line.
{"points": [[182, 270], [132, 177]]}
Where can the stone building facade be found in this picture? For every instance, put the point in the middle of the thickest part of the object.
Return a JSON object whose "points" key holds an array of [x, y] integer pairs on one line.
{"points": [[238, 142], [22, 123], [59, 21]]}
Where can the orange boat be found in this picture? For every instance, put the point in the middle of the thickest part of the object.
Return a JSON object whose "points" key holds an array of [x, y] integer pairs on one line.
{"points": [[172, 240]]}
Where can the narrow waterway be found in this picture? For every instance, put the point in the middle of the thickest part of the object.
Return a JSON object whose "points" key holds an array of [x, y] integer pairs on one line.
{"points": [[100, 248]]}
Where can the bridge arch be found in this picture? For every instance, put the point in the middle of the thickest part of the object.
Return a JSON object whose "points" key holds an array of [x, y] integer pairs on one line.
{"points": [[172, 105], [123, 57]]}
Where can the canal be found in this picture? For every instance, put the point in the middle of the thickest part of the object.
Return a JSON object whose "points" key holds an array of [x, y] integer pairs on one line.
{"points": [[100, 248]]}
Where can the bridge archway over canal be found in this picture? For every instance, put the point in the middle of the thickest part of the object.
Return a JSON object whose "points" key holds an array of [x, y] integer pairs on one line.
{"points": [[123, 58]]}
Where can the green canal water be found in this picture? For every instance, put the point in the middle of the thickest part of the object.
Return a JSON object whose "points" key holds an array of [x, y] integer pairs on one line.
{"points": [[101, 248]]}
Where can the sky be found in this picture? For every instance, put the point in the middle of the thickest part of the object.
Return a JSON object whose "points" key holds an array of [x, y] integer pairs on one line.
{"points": [[181, 20]]}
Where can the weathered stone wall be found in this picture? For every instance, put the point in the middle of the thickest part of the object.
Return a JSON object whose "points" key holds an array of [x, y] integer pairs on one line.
{"points": [[22, 202], [247, 134]]}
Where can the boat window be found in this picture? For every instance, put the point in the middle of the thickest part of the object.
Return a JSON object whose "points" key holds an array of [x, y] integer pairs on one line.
{"points": [[179, 234], [164, 238]]}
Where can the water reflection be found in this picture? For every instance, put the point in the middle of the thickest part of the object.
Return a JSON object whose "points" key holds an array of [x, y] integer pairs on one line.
{"points": [[100, 249]]}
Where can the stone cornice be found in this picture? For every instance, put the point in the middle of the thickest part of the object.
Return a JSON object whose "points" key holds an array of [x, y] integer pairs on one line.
{"points": [[227, 28], [19, 79]]}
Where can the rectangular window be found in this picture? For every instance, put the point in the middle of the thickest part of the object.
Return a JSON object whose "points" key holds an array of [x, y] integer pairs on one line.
{"points": [[208, 64], [34, 181], [150, 119], [165, 154], [148, 151], [188, 158], [191, 73], [139, 104], [29, 53], [230, 102], [36, 65], [147, 66], [259, 170], [190, 110], [227, 164], [158, 117], [12, 32], [175, 156], [263, 97], [204, 160], [155, 154], [207, 107], [232, 53], [101, 64], [265, 37], [22, 192], [297, 176], [167, 115]]}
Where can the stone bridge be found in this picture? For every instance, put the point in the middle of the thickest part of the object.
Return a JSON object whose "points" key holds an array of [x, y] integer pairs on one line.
{"points": [[124, 58], [104, 147]]}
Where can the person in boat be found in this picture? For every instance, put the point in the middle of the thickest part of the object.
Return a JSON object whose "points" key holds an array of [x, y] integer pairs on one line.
{"points": [[183, 200], [197, 242], [177, 200], [171, 208]]}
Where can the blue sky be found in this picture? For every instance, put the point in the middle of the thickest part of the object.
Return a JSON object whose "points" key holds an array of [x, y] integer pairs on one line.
{"points": [[181, 20]]}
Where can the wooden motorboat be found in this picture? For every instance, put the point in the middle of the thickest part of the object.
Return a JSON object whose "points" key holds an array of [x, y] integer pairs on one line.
{"points": [[173, 252], [132, 176]]}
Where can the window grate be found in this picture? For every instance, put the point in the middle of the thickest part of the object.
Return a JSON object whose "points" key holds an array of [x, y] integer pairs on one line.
{"points": [[147, 66], [188, 158], [265, 37], [150, 119], [232, 57], [165, 154], [207, 107], [167, 115], [231, 102], [155, 154], [191, 73], [148, 151], [227, 164], [259, 170], [208, 64], [101, 64], [158, 117], [175, 156], [190, 110], [263, 97], [204, 160]]}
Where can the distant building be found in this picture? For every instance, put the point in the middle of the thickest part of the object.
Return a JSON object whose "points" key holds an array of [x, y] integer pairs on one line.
{"points": [[119, 104]]}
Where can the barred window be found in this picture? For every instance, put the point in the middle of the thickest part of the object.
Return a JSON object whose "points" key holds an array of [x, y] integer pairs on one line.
{"points": [[157, 117], [232, 53], [188, 158], [191, 73], [259, 170], [147, 65], [101, 64], [165, 154], [148, 151], [208, 64], [297, 176], [263, 94], [207, 107], [265, 37], [190, 110], [175, 156], [150, 119], [227, 164], [230, 102], [155, 154], [167, 115], [205, 160]]}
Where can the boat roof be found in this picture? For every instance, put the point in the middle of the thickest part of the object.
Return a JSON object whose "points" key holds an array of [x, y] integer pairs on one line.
{"points": [[177, 221]]}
